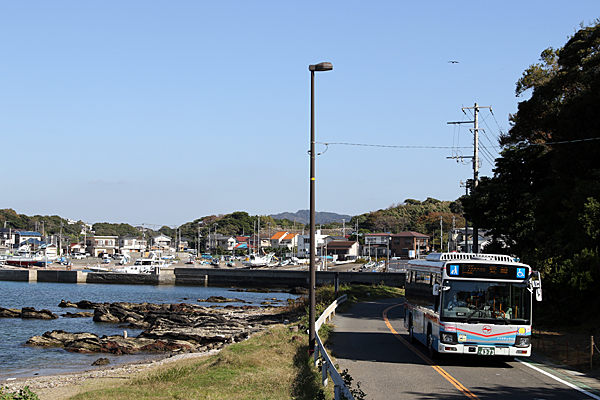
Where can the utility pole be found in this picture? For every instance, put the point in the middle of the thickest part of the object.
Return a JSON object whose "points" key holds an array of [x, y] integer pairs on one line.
{"points": [[475, 157], [464, 184], [60, 239], [441, 235]]}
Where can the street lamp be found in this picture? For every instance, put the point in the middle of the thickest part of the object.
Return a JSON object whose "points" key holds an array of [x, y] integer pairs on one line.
{"points": [[324, 66]]}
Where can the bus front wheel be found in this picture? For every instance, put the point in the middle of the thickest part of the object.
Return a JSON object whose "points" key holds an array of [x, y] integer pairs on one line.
{"points": [[411, 331], [430, 349]]}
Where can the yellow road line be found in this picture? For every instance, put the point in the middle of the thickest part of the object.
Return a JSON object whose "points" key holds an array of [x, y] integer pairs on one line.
{"points": [[439, 369]]}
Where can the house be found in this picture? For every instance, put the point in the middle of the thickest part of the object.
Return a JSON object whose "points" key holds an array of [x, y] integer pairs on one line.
{"points": [[304, 243], [50, 251], [25, 236], [225, 242], [463, 242], [341, 250], [131, 243], [76, 248], [8, 237], [276, 239], [255, 241], [161, 242], [96, 245], [290, 241], [409, 244], [284, 240], [377, 244], [62, 243], [183, 243]]}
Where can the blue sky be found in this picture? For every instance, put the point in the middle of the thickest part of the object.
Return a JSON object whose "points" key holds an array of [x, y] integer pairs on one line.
{"points": [[161, 112]]}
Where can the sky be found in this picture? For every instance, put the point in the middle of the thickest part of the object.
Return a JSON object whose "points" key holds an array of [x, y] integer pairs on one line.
{"points": [[162, 112]]}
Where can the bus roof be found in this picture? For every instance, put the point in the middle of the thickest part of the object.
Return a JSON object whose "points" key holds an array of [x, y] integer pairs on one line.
{"points": [[470, 256]]}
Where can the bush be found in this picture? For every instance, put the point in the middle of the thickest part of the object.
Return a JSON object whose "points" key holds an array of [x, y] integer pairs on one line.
{"points": [[22, 394]]}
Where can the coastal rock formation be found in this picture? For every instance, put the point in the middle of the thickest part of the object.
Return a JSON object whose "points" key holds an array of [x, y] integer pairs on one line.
{"points": [[9, 313], [27, 312], [167, 327], [30, 312], [83, 314], [101, 361], [221, 299]]}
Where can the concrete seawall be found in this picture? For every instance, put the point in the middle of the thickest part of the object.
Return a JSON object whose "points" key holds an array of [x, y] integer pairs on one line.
{"points": [[206, 277]]}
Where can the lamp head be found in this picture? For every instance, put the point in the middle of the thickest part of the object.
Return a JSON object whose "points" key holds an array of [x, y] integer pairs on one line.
{"points": [[324, 66]]}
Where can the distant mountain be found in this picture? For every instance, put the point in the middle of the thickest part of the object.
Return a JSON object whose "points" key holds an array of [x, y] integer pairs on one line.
{"points": [[303, 217]]}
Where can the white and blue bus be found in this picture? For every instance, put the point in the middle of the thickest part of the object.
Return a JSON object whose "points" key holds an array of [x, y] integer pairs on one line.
{"points": [[466, 303]]}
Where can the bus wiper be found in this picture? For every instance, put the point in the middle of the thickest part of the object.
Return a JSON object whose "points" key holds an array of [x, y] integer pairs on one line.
{"points": [[475, 312], [506, 321]]}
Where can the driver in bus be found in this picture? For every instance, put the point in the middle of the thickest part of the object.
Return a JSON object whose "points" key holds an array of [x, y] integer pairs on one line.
{"points": [[455, 302]]}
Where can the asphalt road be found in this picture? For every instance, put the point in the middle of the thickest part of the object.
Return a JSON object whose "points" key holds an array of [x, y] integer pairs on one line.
{"points": [[377, 354]]}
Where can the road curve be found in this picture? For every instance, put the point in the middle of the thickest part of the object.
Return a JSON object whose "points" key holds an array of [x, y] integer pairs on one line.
{"points": [[371, 343]]}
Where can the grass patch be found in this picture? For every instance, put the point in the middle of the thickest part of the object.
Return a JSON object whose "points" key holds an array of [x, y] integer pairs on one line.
{"points": [[270, 365]]}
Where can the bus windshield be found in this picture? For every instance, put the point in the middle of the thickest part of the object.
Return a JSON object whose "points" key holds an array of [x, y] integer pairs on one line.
{"points": [[492, 302]]}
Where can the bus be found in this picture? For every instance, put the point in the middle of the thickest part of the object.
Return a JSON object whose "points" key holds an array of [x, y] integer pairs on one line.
{"points": [[467, 303]]}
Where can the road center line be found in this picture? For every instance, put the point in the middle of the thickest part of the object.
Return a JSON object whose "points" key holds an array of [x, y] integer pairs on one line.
{"points": [[439, 369]]}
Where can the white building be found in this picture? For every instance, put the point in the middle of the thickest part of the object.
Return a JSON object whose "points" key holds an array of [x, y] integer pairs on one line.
{"points": [[304, 243]]}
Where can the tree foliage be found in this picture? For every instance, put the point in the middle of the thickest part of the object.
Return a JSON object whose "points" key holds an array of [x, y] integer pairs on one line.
{"points": [[543, 201], [110, 229]]}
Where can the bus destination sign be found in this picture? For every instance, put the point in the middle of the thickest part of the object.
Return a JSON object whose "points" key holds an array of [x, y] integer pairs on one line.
{"points": [[489, 271]]}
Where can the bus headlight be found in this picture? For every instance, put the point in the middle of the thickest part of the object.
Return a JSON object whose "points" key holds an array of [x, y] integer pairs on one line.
{"points": [[523, 341], [448, 337]]}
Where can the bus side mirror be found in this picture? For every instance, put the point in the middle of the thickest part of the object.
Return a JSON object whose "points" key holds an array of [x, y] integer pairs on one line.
{"points": [[536, 284], [436, 289]]}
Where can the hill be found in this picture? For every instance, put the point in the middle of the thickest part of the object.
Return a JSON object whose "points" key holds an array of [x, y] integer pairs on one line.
{"points": [[303, 217]]}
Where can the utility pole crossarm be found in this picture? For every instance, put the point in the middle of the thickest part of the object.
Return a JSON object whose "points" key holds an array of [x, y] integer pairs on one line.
{"points": [[460, 122]]}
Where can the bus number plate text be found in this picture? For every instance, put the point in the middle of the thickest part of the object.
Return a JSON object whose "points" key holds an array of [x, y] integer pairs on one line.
{"points": [[486, 351]]}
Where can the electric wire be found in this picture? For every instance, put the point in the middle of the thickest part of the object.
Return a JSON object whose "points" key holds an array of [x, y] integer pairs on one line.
{"points": [[389, 146]]}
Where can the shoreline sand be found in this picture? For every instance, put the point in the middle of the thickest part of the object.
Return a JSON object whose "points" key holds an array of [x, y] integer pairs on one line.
{"points": [[67, 384]]}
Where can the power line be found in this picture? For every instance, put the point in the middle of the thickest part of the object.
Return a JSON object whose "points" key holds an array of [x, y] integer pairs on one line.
{"points": [[392, 146], [566, 141]]}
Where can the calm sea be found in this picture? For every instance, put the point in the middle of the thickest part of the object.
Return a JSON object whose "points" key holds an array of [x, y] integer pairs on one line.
{"points": [[18, 360]]}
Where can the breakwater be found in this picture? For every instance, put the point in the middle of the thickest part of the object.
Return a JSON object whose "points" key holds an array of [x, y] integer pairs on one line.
{"points": [[270, 278]]}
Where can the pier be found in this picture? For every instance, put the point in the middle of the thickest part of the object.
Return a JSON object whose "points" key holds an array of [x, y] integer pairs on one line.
{"points": [[268, 278]]}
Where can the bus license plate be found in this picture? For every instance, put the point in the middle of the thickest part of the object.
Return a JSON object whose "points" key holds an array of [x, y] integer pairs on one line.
{"points": [[486, 351]]}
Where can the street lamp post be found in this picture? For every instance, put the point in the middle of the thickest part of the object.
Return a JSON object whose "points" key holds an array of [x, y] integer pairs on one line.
{"points": [[324, 66]]}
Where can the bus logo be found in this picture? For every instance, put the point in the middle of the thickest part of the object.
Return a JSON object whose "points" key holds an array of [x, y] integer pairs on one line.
{"points": [[454, 270], [521, 273], [487, 329]]}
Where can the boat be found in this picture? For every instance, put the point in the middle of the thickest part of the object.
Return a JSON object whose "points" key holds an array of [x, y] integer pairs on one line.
{"points": [[256, 260], [25, 259], [99, 269], [144, 265]]}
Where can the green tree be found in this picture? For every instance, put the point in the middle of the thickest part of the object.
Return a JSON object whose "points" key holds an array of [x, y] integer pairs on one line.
{"points": [[542, 202]]}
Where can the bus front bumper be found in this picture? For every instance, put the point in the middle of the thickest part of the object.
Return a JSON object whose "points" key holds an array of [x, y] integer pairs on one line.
{"points": [[484, 350]]}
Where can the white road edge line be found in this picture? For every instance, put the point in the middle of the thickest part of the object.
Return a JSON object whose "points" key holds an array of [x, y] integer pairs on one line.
{"points": [[593, 396]]}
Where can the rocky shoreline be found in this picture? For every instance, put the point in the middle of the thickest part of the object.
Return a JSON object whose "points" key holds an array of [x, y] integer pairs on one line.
{"points": [[182, 327]]}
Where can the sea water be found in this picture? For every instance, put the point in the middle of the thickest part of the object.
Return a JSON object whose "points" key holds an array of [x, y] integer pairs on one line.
{"points": [[20, 360]]}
